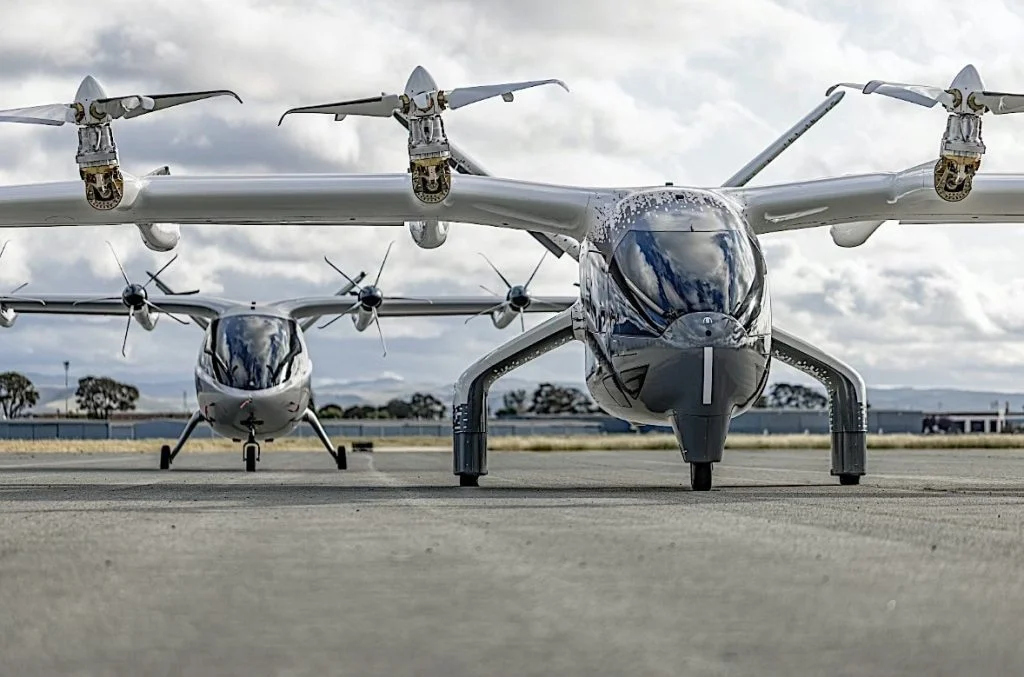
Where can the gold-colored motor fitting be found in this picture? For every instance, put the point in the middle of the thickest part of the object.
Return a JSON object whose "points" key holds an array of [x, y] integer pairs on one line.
{"points": [[431, 179], [104, 186]]}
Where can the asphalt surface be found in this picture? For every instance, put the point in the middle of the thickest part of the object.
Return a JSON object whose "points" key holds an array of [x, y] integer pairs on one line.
{"points": [[593, 563]]}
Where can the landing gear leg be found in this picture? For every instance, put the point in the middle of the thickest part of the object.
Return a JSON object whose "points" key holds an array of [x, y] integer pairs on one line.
{"points": [[339, 456], [469, 410], [251, 452], [847, 399], [167, 454]]}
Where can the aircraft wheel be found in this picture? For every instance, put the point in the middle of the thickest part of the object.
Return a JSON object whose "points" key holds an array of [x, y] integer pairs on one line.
{"points": [[469, 480], [848, 480], [700, 476], [342, 458], [165, 457], [250, 452]]}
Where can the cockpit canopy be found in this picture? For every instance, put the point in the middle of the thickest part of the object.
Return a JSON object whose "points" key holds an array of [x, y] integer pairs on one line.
{"points": [[252, 352], [686, 257]]}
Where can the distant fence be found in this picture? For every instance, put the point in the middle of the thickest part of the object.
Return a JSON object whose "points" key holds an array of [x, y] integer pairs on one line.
{"points": [[757, 421]]}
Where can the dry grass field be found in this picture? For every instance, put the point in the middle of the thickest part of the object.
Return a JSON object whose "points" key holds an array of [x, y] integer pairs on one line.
{"points": [[531, 443]]}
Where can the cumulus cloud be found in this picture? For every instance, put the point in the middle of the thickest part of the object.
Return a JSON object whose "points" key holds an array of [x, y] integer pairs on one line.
{"points": [[680, 91]]}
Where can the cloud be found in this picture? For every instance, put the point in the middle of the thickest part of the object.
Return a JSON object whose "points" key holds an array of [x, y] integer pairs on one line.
{"points": [[684, 92]]}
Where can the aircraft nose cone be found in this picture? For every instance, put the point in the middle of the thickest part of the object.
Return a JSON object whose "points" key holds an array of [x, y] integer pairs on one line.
{"points": [[90, 90]]}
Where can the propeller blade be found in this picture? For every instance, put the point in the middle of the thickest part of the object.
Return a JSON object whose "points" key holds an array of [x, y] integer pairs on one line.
{"points": [[922, 95], [489, 291], [485, 312], [1000, 103], [23, 299], [376, 106], [522, 323], [383, 261], [342, 273], [124, 343], [530, 279], [495, 268], [2, 250], [20, 286], [152, 278], [98, 298], [330, 322], [380, 332], [119, 266], [54, 114], [463, 96], [161, 310], [121, 107], [164, 101]]}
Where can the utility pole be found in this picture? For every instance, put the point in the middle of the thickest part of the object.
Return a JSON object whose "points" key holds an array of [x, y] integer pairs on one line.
{"points": [[67, 366]]}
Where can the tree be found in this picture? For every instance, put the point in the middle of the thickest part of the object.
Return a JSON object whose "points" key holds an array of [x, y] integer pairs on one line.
{"points": [[552, 399], [513, 403], [360, 411], [397, 408], [425, 406], [99, 396], [793, 396], [16, 394], [330, 411]]}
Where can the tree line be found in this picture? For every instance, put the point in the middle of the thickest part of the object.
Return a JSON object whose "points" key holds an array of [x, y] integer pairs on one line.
{"points": [[96, 396]]}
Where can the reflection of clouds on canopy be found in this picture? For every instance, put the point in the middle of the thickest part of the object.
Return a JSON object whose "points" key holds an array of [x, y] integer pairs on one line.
{"points": [[678, 272], [253, 347]]}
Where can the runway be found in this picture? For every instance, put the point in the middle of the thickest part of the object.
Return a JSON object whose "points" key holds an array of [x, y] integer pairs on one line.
{"points": [[581, 563]]}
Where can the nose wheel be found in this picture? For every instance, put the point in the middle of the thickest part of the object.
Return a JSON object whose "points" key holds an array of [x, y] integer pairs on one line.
{"points": [[700, 476], [251, 454]]}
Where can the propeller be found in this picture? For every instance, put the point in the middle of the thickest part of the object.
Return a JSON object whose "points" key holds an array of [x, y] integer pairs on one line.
{"points": [[167, 291], [966, 100], [11, 296], [92, 106], [422, 103], [134, 297], [420, 98], [517, 296], [93, 111], [965, 94], [368, 299]]}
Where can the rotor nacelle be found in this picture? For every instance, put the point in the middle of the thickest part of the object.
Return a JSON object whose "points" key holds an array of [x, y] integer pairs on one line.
{"points": [[422, 103], [966, 100], [93, 111], [428, 234]]}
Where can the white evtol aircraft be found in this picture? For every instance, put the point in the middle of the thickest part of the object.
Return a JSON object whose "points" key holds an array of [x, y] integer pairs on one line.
{"points": [[254, 373], [674, 301]]}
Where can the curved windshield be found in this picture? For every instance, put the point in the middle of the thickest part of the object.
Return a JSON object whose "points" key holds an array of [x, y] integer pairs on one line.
{"points": [[254, 352], [668, 274]]}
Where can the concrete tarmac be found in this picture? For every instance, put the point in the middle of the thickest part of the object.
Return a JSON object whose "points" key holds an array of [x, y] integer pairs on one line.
{"points": [[584, 563]]}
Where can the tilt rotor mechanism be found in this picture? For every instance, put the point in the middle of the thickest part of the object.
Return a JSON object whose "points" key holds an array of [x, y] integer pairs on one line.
{"points": [[517, 299], [135, 298], [422, 103], [93, 111], [368, 301], [965, 100]]}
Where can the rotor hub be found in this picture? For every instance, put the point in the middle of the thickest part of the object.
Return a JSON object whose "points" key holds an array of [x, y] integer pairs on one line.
{"points": [[134, 296], [518, 298], [370, 297]]}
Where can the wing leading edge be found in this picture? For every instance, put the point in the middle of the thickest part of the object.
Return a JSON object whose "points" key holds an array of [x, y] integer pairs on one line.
{"points": [[437, 307]]}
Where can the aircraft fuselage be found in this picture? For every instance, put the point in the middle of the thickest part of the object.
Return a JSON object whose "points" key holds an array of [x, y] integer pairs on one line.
{"points": [[678, 315]]}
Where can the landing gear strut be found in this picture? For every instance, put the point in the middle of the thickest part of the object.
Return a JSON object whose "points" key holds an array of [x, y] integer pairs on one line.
{"points": [[167, 454], [339, 456]]}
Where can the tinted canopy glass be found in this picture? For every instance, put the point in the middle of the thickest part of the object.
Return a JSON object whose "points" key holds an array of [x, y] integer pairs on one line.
{"points": [[254, 352], [668, 274]]}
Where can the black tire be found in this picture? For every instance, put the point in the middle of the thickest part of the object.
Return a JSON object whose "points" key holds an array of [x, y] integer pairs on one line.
{"points": [[469, 480], [700, 476], [848, 480], [165, 457], [342, 458], [250, 458]]}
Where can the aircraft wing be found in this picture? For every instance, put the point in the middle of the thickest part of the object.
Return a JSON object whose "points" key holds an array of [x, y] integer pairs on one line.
{"points": [[95, 304], [313, 199], [869, 199], [439, 306]]}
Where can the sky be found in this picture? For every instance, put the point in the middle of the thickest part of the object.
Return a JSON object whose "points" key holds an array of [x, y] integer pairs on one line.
{"points": [[674, 90]]}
